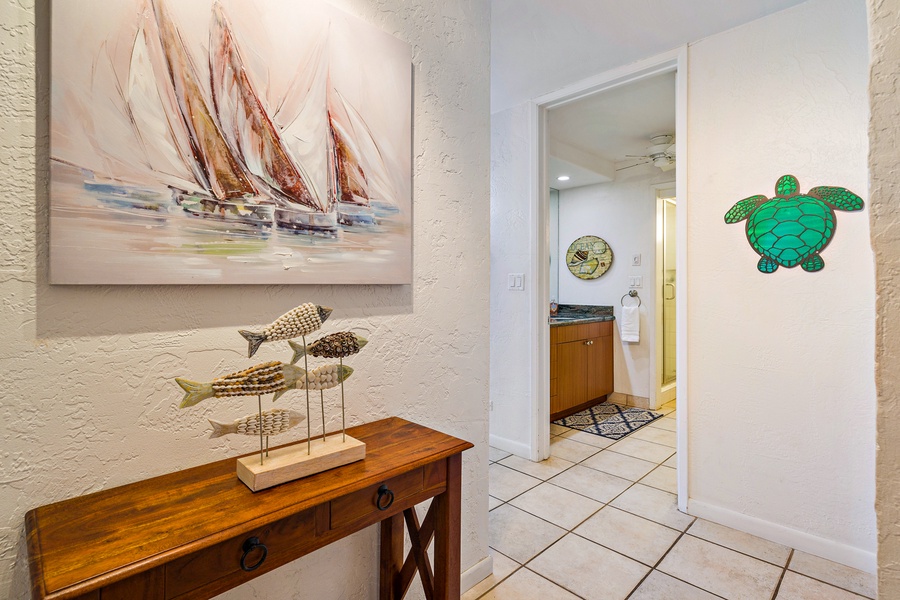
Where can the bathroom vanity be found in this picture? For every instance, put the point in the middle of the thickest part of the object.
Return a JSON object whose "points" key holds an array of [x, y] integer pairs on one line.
{"points": [[581, 361]]}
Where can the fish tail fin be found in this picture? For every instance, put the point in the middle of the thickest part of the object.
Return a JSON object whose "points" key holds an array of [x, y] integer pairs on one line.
{"points": [[299, 351], [219, 429], [194, 392], [278, 395], [255, 339]]}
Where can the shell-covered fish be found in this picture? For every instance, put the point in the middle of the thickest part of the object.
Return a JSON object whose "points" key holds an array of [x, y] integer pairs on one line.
{"points": [[302, 320], [336, 345], [266, 378], [322, 378], [274, 421]]}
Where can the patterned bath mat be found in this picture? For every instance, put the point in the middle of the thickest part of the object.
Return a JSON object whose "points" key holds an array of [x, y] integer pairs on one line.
{"points": [[609, 420]]}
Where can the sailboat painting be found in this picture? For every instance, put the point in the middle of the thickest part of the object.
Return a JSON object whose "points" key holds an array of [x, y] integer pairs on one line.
{"points": [[228, 142]]}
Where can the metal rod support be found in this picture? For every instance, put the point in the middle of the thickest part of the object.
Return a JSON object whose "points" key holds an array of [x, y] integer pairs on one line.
{"points": [[260, 430], [308, 414]]}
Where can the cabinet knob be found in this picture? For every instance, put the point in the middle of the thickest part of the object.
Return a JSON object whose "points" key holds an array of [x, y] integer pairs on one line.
{"points": [[589, 343], [385, 498], [249, 546]]}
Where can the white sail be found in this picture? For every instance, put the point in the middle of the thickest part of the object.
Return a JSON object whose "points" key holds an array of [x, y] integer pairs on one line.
{"points": [[111, 133], [223, 169], [154, 125], [303, 120], [371, 158], [246, 124]]}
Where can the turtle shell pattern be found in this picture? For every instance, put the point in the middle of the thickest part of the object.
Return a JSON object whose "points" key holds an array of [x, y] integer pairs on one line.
{"points": [[789, 230]]}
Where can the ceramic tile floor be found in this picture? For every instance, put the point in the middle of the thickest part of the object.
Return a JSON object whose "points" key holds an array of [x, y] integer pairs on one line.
{"points": [[598, 521]]}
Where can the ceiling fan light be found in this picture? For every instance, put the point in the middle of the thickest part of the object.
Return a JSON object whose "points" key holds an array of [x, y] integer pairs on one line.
{"points": [[665, 164]]}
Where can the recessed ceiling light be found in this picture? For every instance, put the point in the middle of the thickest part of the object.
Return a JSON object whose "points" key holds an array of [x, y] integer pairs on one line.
{"points": [[562, 178]]}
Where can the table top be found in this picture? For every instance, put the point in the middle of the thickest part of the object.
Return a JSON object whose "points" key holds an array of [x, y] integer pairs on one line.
{"points": [[135, 527]]}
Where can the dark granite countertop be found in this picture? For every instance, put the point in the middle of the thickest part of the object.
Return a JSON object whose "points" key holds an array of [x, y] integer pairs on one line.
{"points": [[576, 314]]}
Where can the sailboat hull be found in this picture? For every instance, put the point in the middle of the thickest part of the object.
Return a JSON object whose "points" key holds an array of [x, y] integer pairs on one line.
{"points": [[355, 214], [245, 211], [306, 221]]}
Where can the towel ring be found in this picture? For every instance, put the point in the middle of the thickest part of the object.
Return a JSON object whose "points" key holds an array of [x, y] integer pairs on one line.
{"points": [[633, 294]]}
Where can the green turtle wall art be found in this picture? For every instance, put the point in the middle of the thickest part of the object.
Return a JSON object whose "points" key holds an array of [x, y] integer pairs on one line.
{"points": [[791, 228]]}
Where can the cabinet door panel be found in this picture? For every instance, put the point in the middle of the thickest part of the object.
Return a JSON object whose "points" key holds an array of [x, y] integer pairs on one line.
{"points": [[570, 381], [600, 367]]}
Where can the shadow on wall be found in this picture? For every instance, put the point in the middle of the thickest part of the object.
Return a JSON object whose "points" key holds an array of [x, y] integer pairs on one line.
{"points": [[73, 311]]}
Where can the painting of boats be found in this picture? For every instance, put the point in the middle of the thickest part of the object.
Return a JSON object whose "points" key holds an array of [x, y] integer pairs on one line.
{"points": [[228, 142]]}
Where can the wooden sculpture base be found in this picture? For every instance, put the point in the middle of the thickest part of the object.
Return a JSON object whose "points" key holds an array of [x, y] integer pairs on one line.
{"points": [[293, 462]]}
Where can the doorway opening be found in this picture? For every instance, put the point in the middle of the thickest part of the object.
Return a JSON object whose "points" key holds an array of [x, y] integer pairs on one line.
{"points": [[645, 284]]}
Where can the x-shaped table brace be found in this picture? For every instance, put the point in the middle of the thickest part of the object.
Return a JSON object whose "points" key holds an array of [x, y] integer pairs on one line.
{"points": [[440, 525]]}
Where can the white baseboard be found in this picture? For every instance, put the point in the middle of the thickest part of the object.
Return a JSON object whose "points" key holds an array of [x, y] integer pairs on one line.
{"points": [[476, 574], [517, 448], [805, 542]]}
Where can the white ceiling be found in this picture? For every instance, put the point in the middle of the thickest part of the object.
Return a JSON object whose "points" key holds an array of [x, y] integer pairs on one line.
{"points": [[538, 46], [619, 121], [603, 129]]}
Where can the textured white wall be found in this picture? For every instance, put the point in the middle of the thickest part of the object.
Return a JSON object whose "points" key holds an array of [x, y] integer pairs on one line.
{"points": [[884, 141], [781, 373], [87, 399], [511, 240], [782, 417], [622, 212]]}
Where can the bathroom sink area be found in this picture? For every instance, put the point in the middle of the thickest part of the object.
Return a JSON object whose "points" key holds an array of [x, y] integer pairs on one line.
{"points": [[577, 313]]}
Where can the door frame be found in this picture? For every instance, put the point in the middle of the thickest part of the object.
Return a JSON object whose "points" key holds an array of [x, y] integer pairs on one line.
{"points": [[661, 393], [539, 200]]}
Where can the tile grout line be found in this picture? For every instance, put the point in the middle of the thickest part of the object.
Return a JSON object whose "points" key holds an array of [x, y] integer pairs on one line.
{"points": [[605, 505], [571, 531], [783, 573]]}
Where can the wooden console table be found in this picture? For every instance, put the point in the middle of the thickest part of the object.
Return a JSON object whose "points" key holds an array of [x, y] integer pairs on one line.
{"points": [[199, 532]]}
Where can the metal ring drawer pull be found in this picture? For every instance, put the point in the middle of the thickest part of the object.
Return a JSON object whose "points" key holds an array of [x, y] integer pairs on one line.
{"points": [[249, 546], [385, 498]]}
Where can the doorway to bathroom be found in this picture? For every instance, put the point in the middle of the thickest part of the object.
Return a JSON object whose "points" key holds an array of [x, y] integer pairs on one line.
{"points": [[638, 274]]}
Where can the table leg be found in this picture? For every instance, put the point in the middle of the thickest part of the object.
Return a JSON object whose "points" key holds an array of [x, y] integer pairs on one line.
{"points": [[391, 557], [446, 534]]}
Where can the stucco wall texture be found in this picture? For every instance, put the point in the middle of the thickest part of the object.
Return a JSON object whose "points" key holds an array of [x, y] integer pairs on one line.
{"points": [[87, 397], [884, 181]]}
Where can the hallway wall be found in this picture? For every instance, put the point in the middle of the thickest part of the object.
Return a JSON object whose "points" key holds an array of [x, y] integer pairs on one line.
{"points": [[87, 398], [781, 399], [884, 140], [781, 378]]}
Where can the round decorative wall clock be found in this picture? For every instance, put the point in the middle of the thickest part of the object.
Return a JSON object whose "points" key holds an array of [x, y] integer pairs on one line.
{"points": [[589, 257]]}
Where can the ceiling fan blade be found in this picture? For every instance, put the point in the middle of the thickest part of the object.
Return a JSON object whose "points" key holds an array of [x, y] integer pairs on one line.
{"points": [[646, 162]]}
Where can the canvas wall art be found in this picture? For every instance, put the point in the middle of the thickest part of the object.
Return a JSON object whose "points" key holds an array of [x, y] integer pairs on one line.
{"points": [[228, 142]]}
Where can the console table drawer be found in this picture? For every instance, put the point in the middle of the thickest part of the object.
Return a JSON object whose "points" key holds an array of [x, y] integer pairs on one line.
{"points": [[284, 541], [359, 505]]}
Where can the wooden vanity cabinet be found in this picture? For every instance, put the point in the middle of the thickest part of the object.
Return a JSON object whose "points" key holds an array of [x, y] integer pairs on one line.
{"points": [[581, 367]]}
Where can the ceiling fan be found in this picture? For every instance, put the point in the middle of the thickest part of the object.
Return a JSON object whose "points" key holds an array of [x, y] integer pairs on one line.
{"points": [[661, 153]]}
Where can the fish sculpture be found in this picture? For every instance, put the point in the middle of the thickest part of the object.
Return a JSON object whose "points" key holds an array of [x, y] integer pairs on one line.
{"points": [[267, 378], [274, 421], [322, 378], [336, 345], [299, 321]]}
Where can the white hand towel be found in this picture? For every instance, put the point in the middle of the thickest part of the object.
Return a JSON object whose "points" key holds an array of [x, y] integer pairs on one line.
{"points": [[630, 325]]}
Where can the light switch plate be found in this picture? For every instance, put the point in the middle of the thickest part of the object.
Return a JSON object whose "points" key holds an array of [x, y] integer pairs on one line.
{"points": [[516, 282], [636, 281]]}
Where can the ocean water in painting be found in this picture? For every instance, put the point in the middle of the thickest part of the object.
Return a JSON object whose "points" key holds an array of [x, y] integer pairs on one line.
{"points": [[140, 235], [271, 144]]}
